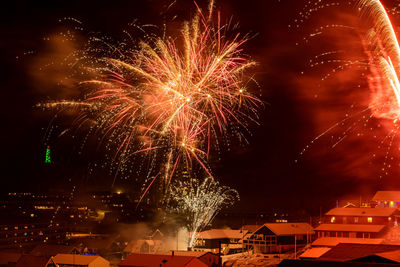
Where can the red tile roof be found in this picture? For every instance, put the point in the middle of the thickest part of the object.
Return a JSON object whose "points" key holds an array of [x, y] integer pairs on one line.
{"points": [[361, 212], [387, 196], [347, 252], [350, 228], [154, 260]]}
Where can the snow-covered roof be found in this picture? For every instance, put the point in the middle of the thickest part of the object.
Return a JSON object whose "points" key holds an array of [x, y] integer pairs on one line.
{"points": [[314, 253], [282, 229], [221, 233], [350, 228], [387, 196], [77, 259], [361, 212], [334, 241]]}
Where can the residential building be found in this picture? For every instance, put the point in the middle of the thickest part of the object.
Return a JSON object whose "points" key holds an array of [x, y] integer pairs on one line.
{"points": [[357, 222], [279, 237], [389, 199], [211, 240]]}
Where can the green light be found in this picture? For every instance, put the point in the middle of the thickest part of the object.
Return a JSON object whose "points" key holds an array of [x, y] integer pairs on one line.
{"points": [[47, 159]]}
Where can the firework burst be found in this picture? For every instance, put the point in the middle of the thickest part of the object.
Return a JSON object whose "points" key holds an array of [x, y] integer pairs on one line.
{"points": [[168, 100], [377, 67], [200, 203]]}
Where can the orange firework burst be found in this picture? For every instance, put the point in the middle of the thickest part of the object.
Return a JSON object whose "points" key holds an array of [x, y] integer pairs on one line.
{"points": [[384, 59], [171, 99]]}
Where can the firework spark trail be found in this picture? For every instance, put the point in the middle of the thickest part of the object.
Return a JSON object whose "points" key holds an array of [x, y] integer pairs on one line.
{"points": [[171, 99], [201, 202], [384, 47], [383, 58]]}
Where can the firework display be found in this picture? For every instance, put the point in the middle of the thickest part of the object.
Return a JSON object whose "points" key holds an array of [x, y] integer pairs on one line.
{"points": [[359, 78], [166, 102], [200, 202], [384, 59]]}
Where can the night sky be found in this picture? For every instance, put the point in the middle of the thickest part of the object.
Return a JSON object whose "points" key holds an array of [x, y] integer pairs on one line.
{"points": [[296, 107]]}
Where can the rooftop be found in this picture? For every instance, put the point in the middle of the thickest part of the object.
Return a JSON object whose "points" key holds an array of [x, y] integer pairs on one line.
{"points": [[387, 196], [282, 229], [75, 259], [156, 260], [221, 233], [350, 227], [334, 241], [361, 212], [347, 252], [32, 261], [314, 253]]}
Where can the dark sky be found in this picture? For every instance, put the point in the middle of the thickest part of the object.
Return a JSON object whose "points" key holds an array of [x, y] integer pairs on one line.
{"points": [[264, 172]]}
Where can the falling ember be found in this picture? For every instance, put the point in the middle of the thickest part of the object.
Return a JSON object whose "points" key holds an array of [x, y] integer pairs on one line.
{"points": [[170, 101]]}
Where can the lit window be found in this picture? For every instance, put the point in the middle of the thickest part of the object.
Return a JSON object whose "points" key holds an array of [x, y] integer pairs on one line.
{"points": [[369, 219], [333, 219], [355, 219]]}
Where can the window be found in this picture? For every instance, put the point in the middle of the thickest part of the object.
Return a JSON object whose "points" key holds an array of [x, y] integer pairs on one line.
{"points": [[333, 219], [369, 219], [355, 219]]}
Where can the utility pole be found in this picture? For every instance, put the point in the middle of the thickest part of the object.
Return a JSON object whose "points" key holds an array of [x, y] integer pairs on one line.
{"points": [[295, 251], [219, 254]]}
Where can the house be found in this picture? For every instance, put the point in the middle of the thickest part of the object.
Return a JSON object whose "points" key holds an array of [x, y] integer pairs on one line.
{"points": [[389, 199], [210, 240], [153, 243], [156, 260], [73, 260], [357, 222], [279, 237], [52, 250], [97, 246]]}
